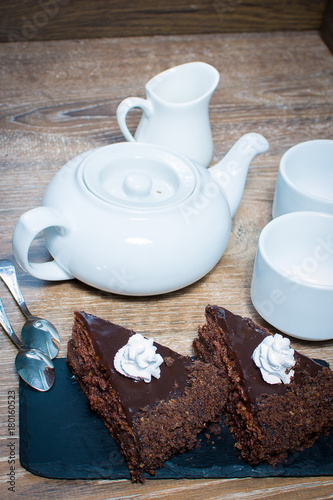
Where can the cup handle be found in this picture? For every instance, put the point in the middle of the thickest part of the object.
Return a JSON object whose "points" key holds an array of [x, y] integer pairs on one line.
{"points": [[29, 225], [125, 106]]}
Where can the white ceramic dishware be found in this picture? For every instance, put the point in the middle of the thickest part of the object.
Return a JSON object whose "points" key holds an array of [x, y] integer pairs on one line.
{"points": [[136, 219], [305, 178], [292, 282], [176, 111]]}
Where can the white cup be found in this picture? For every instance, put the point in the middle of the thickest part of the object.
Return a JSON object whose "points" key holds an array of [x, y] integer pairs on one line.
{"points": [[305, 178], [292, 282]]}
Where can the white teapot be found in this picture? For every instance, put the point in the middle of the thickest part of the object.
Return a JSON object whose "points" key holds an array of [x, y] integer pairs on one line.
{"points": [[136, 219]]}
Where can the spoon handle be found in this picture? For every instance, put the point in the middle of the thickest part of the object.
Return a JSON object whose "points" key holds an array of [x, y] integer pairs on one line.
{"points": [[9, 277], [5, 323]]}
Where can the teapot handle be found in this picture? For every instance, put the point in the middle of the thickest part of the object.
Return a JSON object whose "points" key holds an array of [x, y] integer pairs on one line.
{"points": [[29, 225], [124, 107]]}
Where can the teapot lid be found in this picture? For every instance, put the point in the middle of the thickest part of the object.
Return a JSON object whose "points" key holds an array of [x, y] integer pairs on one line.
{"points": [[140, 176]]}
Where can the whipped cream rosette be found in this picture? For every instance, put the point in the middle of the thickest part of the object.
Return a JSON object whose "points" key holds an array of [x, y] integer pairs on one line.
{"points": [[138, 359], [275, 359]]}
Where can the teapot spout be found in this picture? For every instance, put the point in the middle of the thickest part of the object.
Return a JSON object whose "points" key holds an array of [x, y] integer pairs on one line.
{"points": [[231, 171]]}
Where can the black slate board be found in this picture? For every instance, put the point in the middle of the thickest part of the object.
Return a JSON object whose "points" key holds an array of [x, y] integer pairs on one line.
{"points": [[61, 437]]}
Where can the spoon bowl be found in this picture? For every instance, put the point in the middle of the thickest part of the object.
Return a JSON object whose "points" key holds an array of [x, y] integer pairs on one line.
{"points": [[37, 333], [40, 334], [33, 366]]}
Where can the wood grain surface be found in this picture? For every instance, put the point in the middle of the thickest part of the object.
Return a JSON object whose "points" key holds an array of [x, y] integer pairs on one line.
{"points": [[69, 19], [59, 99]]}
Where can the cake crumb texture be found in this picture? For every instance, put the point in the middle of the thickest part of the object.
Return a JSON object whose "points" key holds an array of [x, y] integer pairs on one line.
{"points": [[153, 433], [267, 421]]}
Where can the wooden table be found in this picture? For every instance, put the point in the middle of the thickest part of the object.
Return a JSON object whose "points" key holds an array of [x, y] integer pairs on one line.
{"points": [[59, 99]]}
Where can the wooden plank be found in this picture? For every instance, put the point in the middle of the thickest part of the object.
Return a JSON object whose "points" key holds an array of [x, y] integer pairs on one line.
{"points": [[70, 19], [59, 99]]}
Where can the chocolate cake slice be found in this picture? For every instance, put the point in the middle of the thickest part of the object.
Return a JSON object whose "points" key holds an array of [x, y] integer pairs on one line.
{"points": [[267, 420], [150, 421]]}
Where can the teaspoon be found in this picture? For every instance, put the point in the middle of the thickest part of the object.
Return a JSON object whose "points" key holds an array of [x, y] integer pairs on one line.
{"points": [[36, 332], [33, 366]]}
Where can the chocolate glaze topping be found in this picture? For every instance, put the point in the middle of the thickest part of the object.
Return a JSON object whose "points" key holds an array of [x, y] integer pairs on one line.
{"points": [[107, 338], [242, 336]]}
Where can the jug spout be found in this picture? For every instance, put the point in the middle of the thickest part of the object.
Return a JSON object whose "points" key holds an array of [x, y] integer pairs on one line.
{"points": [[231, 171]]}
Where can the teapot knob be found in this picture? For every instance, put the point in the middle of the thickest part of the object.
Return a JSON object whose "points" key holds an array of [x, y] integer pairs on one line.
{"points": [[137, 184]]}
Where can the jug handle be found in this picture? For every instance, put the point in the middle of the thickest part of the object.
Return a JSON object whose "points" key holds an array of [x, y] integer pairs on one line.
{"points": [[29, 225], [124, 107]]}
